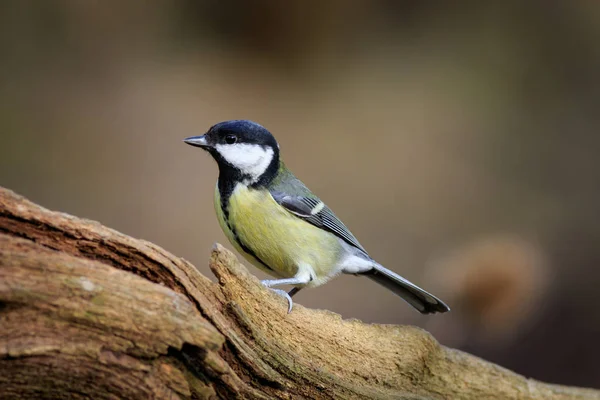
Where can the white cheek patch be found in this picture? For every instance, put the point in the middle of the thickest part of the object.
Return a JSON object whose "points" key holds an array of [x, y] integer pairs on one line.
{"points": [[251, 159]]}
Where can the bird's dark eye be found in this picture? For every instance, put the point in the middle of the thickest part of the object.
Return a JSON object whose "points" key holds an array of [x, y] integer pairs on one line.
{"points": [[230, 139]]}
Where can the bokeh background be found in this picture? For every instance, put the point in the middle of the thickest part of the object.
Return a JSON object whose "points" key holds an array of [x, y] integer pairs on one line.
{"points": [[460, 142]]}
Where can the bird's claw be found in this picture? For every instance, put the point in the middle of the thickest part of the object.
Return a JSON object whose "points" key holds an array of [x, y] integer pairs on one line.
{"points": [[285, 295]]}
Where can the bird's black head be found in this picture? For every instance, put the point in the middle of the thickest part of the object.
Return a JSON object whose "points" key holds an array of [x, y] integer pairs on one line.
{"points": [[245, 151]]}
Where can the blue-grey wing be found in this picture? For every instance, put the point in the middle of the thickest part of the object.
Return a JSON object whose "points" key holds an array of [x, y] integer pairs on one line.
{"points": [[313, 210]]}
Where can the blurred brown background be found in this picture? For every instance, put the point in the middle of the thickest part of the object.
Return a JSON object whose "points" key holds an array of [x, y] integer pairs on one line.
{"points": [[459, 142]]}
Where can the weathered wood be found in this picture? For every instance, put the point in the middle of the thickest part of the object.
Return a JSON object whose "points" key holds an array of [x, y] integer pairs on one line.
{"points": [[87, 312]]}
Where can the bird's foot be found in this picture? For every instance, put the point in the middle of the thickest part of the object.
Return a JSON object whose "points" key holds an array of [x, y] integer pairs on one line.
{"points": [[283, 294]]}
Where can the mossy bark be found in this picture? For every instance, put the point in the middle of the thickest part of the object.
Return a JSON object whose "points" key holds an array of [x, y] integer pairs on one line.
{"points": [[87, 312]]}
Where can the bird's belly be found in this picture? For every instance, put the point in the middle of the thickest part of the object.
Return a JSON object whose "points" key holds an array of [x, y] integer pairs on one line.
{"points": [[279, 239]]}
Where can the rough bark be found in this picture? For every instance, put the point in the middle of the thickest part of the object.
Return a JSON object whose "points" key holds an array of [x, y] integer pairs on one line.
{"points": [[87, 312]]}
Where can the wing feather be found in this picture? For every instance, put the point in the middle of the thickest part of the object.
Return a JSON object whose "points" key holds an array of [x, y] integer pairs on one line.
{"points": [[314, 211]]}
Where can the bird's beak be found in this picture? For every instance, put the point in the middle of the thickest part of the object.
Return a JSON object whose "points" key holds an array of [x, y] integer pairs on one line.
{"points": [[198, 141]]}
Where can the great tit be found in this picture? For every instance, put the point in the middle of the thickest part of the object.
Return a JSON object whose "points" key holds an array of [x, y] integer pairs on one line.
{"points": [[280, 226]]}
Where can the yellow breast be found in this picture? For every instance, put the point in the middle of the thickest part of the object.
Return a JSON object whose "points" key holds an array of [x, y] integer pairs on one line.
{"points": [[279, 239]]}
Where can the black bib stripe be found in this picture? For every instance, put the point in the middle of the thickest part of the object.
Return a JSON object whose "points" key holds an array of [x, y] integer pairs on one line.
{"points": [[225, 193], [229, 177]]}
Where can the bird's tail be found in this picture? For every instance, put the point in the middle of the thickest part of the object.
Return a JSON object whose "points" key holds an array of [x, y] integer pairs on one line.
{"points": [[424, 302]]}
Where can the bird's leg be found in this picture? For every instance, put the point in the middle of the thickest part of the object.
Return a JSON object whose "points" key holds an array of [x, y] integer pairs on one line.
{"points": [[294, 290], [290, 281]]}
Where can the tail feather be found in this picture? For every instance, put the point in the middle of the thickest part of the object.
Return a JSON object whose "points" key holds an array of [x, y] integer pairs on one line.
{"points": [[424, 302]]}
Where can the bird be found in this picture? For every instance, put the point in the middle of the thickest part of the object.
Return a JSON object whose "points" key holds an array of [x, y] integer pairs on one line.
{"points": [[280, 226]]}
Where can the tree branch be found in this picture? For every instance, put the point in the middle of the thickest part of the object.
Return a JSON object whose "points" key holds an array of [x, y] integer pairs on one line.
{"points": [[86, 311]]}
